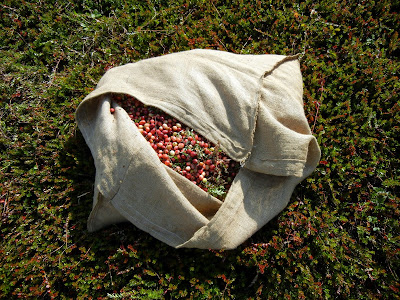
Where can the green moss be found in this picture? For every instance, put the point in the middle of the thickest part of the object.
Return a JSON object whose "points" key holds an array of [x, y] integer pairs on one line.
{"points": [[339, 236]]}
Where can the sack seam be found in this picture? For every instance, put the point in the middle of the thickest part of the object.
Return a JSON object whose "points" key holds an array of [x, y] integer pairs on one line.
{"points": [[258, 95]]}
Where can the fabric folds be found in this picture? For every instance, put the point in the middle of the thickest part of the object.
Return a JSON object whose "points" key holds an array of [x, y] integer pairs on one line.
{"points": [[251, 105]]}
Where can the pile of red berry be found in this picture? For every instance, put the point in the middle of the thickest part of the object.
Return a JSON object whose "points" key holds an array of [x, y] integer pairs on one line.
{"points": [[182, 149]]}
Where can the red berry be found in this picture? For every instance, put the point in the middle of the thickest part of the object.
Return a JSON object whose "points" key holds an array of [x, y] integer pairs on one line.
{"points": [[176, 146]]}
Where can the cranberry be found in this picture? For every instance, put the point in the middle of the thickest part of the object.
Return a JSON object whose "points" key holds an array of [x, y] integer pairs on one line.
{"points": [[181, 148]]}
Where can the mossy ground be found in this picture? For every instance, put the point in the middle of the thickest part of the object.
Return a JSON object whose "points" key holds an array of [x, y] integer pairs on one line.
{"points": [[339, 236]]}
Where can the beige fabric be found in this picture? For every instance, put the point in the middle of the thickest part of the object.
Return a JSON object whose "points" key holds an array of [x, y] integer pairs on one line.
{"points": [[250, 104]]}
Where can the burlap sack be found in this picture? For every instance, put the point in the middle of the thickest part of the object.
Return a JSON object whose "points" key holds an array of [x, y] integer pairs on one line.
{"points": [[251, 105]]}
